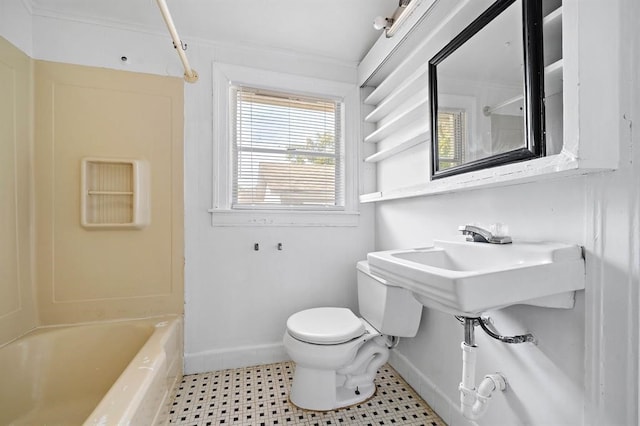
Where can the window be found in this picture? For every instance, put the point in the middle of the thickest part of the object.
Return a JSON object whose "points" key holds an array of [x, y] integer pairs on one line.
{"points": [[451, 138], [287, 151]]}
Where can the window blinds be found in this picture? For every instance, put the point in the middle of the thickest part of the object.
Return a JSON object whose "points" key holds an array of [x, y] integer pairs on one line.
{"points": [[287, 151], [451, 138]]}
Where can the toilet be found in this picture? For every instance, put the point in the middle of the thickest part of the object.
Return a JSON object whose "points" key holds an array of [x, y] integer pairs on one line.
{"points": [[337, 354]]}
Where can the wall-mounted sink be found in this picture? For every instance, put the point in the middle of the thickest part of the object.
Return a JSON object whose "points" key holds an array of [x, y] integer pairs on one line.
{"points": [[469, 278]]}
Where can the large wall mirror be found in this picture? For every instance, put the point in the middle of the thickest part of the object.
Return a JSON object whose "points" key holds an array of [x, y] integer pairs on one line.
{"points": [[487, 90]]}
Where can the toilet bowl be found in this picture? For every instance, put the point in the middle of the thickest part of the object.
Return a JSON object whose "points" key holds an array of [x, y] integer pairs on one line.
{"points": [[326, 375], [337, 354]]}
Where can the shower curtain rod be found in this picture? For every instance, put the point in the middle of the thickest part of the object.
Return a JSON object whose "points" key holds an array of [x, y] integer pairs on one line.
{"points": [[190, 75]]}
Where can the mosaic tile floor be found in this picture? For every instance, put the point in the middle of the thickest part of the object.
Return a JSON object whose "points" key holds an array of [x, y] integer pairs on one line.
{"points": [[258, 396]]}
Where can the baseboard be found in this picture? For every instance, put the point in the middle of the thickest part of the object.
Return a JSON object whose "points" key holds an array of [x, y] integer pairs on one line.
{"points": [[223, 359], [444, 407]]}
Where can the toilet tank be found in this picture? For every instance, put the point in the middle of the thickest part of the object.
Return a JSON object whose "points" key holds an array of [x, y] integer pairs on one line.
{"points": [[391, 310]]}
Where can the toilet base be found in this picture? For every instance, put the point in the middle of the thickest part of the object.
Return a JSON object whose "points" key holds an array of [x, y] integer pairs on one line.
{"points": [[318, 390], [348, 397]]}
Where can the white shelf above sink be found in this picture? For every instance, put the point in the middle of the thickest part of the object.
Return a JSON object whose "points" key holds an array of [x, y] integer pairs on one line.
{"points": [[468, 278]]}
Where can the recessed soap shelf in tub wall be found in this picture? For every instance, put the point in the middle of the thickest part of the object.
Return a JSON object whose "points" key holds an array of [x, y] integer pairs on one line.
{"points": [[114, 193]]}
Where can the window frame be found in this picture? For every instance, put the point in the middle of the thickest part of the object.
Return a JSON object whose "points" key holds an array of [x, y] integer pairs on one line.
{"points": [[227, 75]]}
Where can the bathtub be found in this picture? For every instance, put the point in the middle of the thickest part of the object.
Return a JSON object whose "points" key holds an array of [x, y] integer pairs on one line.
{"points": [[113, 373]]}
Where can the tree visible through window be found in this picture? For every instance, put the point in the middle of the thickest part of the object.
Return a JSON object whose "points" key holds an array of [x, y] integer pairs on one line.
{"points": [[451, 138], [287, 151]]}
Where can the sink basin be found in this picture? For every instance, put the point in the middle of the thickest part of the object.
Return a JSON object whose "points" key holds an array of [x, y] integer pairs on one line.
{"points": [[469, 278]]}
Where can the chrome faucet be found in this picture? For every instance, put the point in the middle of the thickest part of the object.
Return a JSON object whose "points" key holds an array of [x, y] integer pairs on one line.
{"points": [[481, 235]]}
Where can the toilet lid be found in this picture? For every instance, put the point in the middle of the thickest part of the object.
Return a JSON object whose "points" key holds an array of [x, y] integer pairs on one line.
{"points": [[325, 326]]}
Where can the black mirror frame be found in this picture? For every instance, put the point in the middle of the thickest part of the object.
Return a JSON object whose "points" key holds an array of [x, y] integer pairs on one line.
{"points": [[533, 88]]}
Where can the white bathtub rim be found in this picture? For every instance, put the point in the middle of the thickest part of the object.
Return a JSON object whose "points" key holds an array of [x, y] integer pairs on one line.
{"points": [[159, 318], [125, 399]]}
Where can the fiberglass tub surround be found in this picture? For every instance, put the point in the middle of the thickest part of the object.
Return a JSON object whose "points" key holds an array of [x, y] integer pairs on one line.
{"points": [[468, 278], [99, 373]]}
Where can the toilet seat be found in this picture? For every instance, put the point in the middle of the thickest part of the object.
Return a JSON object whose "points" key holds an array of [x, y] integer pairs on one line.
{"points": [[325, 326]]}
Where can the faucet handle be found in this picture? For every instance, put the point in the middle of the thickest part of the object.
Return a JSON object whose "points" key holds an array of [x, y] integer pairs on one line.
{"points": [[499, 229]]}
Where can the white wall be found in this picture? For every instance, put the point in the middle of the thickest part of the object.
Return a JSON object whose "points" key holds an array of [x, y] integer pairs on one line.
{"points": [[584, 369], [545, 381], [237, 299]]}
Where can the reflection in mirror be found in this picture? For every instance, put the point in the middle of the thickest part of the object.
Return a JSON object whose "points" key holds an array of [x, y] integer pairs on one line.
{"points": [[485, 92]]}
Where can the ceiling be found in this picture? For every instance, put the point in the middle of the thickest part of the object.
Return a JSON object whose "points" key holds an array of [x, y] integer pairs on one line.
{"points": [[339, 29]]}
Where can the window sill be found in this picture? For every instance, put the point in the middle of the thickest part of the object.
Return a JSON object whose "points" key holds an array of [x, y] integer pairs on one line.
{"points": [[282, 218]]}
